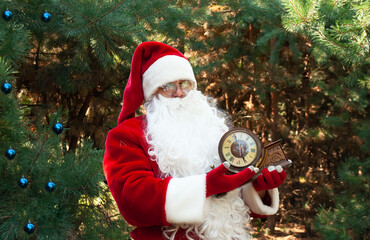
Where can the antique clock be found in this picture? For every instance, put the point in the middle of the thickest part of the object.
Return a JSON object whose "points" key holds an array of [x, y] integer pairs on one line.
{"points": [[242, 148]]}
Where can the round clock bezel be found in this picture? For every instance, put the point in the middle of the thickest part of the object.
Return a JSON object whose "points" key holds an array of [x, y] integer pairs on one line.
{"points": [[236, 169]]}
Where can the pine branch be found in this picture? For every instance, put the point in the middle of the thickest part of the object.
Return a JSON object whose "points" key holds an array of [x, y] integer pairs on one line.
{"points": [[10, 230], [112, 9], [296, 10], [327, 39], [97, 9], [37, 155], [71, 7], [157, 10], [5, 42], [142, 7]]}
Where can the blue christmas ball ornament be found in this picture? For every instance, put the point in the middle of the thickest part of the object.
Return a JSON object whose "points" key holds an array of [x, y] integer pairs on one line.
{"points": [[50, 186], [58, 128], [6, 88], [10, 154], [29, 228], [23, 182], [46, 17], [7, 15]]}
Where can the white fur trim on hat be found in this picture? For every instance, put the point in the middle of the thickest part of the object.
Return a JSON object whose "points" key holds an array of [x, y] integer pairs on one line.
{"points": [[164, 70], [185, 199], [254, 202]]}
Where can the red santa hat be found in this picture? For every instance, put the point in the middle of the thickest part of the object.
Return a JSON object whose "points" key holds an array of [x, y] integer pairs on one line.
{"points": [[153, 65]]}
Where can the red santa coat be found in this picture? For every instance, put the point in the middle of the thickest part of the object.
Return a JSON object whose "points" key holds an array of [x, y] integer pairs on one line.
{"points": [[148, 201]]}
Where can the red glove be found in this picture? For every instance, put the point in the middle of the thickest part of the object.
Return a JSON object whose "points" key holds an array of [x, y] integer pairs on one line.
{"points": [[217, 182], [271, 177]]}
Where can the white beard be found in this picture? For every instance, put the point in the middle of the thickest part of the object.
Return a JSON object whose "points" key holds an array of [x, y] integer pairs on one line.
{"points": [[183, 134]]}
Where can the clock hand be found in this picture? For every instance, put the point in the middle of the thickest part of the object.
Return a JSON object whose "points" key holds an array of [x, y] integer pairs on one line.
{"points": [[239, 147], [236, 140], [242, 155]]}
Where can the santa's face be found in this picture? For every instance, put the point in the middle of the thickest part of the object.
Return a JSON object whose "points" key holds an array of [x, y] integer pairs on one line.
{"points": [[175, 89], [184, 133]]}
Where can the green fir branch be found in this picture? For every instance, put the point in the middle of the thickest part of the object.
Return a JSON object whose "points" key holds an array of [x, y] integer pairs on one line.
{"points": [[98, 8], [156, 11], [74, 9], [108, 12], [298, 12]]}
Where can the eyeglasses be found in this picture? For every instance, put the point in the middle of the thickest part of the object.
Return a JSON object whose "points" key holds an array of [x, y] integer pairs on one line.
{"points": [[170, 89]]}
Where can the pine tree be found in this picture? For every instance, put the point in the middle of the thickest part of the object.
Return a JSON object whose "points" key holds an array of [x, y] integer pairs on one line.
{"points": [[297, 70], [47, 191], [349, 219], [78, 59], [339, 35]]}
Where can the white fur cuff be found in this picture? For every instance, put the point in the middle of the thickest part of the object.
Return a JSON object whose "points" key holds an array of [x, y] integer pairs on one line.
{"points": [[185, 199], [255, 204]]}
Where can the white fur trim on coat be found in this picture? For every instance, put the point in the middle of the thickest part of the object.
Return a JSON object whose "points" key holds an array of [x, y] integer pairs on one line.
{"points": [[164, 70], [255, 204], [185, 199]]}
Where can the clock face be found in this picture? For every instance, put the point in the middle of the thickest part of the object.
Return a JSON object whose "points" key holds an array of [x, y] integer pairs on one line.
{"points": [[240, 147]]}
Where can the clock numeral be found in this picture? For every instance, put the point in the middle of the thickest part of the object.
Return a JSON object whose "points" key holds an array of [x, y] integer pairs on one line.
{"points": [[227, 154], [252, 144], [228, 140], [253, 150], [231, 159]]}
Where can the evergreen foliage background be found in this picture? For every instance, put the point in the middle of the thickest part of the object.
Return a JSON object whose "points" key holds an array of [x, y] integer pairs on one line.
{"points": [[80, 207], [290, 69]]}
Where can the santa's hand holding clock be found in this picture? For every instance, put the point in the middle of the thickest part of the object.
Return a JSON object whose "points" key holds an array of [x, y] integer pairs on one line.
{"points": [[218, 182], [271, 177], [159, 166]]}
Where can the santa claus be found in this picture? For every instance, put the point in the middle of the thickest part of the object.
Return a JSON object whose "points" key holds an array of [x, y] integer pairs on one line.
{"points": [[163, 168]]}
